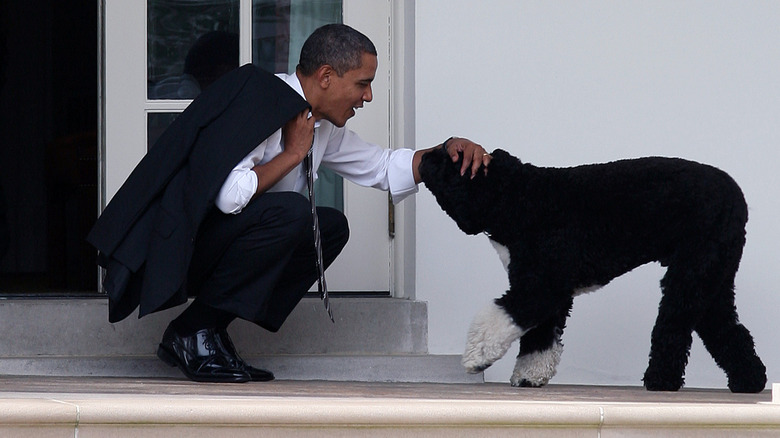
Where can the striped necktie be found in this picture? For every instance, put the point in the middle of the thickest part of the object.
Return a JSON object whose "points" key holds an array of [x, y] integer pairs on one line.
{"points": [[323, 287]]}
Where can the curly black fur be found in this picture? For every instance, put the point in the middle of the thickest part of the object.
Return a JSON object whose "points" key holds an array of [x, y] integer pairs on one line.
{"points": [[573, 228]]}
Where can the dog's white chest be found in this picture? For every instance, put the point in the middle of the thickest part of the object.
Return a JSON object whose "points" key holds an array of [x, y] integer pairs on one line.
{"points": [[503, 253]]}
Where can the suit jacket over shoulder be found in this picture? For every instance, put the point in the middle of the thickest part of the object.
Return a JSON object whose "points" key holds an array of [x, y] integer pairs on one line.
{"points": [[146, 233]]}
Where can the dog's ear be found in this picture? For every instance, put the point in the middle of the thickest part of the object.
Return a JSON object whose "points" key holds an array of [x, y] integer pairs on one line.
{"points": [[469, 212], [460, 196], [437, 166]]}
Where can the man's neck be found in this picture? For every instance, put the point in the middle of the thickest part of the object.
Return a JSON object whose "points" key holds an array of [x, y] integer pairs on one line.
{"points": [[308, 85]]}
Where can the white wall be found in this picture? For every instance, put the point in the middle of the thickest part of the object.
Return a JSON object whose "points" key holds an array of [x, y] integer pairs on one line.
{"points": [[564, 83]]}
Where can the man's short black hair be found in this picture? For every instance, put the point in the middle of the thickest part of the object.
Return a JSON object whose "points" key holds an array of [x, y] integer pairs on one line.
{"points": [[336, 45]]}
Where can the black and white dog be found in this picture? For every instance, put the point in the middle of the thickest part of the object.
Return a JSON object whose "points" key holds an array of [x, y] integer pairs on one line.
{"points": [[564, 231]]}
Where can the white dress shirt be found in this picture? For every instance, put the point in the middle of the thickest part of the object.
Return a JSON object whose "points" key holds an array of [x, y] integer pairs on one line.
{"points": [[338, 149]]}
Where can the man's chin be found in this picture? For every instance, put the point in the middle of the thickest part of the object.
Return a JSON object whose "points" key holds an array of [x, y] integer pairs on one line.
{"points": [[339, 123]]}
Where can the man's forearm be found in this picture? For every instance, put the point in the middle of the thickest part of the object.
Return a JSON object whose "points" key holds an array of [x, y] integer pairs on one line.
{"points": [[273, 171]]}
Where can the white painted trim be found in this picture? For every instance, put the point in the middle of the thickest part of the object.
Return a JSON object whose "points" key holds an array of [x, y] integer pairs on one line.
{"points": [[402, 134], [245, 32]]}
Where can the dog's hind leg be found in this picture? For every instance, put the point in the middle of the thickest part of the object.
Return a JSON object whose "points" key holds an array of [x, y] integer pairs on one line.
{"points": [[697, 293], [731, 345], [680, 309], [728, 341], [540, 351]]}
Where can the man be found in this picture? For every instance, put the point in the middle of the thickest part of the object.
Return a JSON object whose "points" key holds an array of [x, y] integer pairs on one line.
{"points": [[246, 243]]}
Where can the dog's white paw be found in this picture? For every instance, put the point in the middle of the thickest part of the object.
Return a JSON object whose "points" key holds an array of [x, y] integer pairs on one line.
{"points": [[491, 334], [537, 368]]}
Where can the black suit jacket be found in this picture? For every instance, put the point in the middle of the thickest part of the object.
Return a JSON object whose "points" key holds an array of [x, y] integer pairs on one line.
{"points": [[146, 233]]}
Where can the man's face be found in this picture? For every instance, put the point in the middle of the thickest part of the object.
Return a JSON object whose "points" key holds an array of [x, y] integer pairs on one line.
{"points": [[348, 92]]}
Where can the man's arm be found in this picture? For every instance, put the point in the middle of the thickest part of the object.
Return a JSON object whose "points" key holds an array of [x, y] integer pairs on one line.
{"points": [[297, 135], [474, 156], [246, 182]]}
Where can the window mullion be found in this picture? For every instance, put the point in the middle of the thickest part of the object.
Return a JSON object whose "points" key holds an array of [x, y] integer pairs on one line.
{"points": [[245, 32]]}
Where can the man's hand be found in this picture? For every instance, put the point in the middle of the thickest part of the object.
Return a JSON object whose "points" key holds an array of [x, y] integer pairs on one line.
{"points": [[474, 155], [298, 134]]}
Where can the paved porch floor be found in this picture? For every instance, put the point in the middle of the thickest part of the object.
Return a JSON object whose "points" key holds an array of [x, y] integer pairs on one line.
{"points": [[24, 386]]}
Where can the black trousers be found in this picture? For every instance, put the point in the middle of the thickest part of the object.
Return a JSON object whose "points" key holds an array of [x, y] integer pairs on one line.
{"points": [[260, 263]]}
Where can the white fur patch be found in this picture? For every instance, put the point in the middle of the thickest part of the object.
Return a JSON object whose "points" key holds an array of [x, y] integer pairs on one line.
{"points": [[503, 253], [538, 367], [491, 334]]}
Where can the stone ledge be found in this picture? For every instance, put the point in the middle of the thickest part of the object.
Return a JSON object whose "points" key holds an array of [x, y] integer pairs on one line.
{"points": [[119, 415]]}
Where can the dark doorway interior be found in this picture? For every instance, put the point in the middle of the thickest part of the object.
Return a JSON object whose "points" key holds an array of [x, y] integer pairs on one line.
{"points": [[48, 146]]}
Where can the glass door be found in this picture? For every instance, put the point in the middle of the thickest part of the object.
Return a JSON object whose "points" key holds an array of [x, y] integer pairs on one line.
{"points": [[159, 54]]}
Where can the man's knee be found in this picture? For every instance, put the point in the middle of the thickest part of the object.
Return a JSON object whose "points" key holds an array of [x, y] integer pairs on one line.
{"points": [[334, 224]]}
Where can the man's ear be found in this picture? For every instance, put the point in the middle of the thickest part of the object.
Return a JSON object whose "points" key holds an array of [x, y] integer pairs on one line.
{"points": [[323, 75]]}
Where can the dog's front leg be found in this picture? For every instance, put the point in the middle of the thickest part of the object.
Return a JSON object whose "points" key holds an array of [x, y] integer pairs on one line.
{"points": [[537, 368], [491, 334], [492, 331], [540, 351]]}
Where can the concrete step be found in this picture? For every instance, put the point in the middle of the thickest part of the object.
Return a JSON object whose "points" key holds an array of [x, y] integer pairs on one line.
{"points": [[373, 339], [80, 327], [356, 368]]}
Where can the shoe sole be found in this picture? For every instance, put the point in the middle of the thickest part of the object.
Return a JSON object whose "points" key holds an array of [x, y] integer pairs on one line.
{"points": [[262, 379], [170, 359]]}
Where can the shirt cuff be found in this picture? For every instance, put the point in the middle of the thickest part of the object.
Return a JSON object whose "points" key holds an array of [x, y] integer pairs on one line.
{"points": [[400, 175]]}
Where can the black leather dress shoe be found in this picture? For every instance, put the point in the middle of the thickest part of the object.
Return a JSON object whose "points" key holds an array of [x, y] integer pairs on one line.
{"points": [[256, 374], [201, 357]]}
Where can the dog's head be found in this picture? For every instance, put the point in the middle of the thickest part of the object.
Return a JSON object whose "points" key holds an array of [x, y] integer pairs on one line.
{"points": [[472, 203]]}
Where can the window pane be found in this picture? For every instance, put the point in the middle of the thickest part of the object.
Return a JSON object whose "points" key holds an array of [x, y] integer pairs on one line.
{"points": [[281, 26], [190, 43]]}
